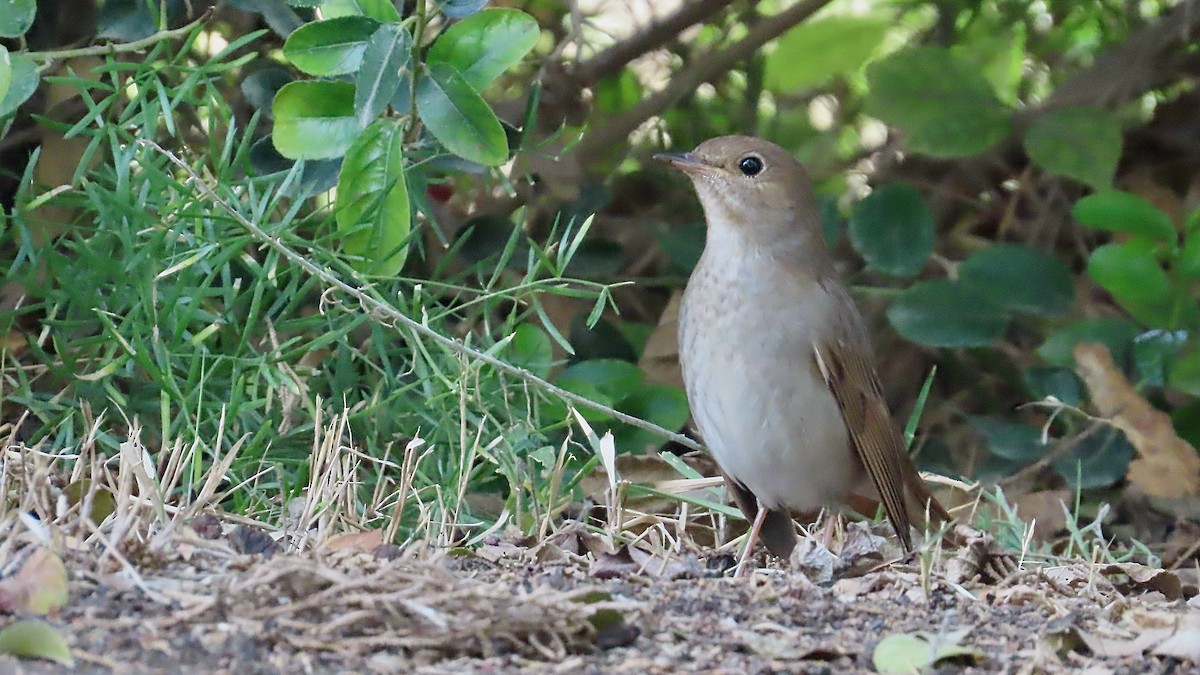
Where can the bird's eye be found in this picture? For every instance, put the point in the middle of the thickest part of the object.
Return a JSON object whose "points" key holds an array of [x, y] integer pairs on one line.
{"points": [[750, 165]]}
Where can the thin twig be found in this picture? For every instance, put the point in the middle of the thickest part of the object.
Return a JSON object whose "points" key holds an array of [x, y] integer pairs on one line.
{"points": [[613, 59], [695, 74], [117, 47], [395, 315]]}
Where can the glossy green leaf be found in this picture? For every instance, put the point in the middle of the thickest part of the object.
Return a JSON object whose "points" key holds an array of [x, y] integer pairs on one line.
{"points": [[372, 209], [1009, 440], [1097, 461], [36, 639], [1061, 383], [893, 230], [812, 53], [484, 45], [384, 69], [942, 313], [1083, 143], [259, 88], [1115, 333], [330, 47], [5, 71], [383, 11], [459, 118], [1136, 280], [23, 81], [1020, 278], [1117, 211], [314, 120], [1154, 353], [944, 105], [16, 16]]}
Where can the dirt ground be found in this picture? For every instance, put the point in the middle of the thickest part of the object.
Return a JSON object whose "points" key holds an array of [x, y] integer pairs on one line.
{"points": [[209, 606]]}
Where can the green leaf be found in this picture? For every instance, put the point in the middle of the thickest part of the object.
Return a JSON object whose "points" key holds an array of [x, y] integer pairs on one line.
{"points": [[1185, 373], [665, 406], [36, 639], [457, 9], [945, 106], [1154, 352], [458, 117], [1117, 211], [384, 67], [1115, 333], [613, 378], [941, 313], [17, 17], [1188, 262], [485, 44], [1083, 143], [812, 53], [1061, 383], [23, 81], [383, 11], [372, 209], [1097, 461], [314, 120], [893, 230], [530, 349], [1138, 282], [330, 47], [259, 88], [1020, 278], [5, 71], [903, 654], [1016, 442]]}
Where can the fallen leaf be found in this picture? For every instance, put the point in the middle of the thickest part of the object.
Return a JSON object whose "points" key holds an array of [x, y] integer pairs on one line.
{"points": [[1141, 578], [1184, 644], [1044, 510], [1167, 466], [36, 639], [660, 356], [814, 560], [367, 540], [915, 652], [38, 587]]}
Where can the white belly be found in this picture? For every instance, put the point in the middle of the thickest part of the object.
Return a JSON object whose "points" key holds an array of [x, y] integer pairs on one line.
{"points": [[769, 421]]}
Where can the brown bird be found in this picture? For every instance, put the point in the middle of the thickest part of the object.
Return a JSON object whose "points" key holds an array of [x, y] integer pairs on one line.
{"points": [[776, 359]]}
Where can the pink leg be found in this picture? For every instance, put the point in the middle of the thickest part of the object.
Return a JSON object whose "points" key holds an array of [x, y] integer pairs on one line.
{"points": [[751, 538]]}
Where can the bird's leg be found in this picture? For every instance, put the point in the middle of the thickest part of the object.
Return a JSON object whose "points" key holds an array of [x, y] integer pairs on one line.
{"points": [[751, 537]]}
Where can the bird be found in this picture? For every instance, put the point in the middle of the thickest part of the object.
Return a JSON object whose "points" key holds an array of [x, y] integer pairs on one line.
{"points": [[776, 359]]}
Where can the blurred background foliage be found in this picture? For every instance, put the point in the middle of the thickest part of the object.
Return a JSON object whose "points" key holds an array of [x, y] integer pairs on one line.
{"points": [[1002, 180]]}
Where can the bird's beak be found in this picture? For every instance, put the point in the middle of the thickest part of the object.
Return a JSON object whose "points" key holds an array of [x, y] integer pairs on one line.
{"points": [[684, 161]]}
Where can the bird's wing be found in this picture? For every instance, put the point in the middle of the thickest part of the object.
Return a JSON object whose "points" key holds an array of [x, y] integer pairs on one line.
{"points": [[844, 362]]}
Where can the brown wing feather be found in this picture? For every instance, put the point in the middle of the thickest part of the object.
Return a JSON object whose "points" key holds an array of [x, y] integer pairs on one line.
{"points": [[844, 362]]}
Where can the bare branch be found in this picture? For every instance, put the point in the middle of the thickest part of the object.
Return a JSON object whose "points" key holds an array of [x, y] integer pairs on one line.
{"points": [[696, 73]]}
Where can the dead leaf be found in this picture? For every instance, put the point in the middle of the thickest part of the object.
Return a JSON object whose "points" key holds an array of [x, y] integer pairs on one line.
{"points": [[366, 541], [1044, 510], [660, 356], [1167, 466], [1140, 578], [814, 560], [1184, 644], [38, 587]]}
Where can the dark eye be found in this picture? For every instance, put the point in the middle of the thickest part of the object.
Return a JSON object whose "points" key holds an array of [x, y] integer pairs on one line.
{"points": [[750, 165]]}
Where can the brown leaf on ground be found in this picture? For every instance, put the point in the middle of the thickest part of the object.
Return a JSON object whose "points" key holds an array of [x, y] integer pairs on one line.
{"points": [[1044, 509], [367, 541], [38, 587], [1167, 466]]}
